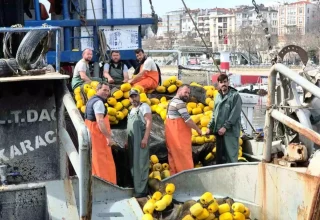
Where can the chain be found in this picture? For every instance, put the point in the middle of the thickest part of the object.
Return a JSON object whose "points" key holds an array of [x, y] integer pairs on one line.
{"points": [[255, 6], [154, 27], [264, 24], [152, 9]]}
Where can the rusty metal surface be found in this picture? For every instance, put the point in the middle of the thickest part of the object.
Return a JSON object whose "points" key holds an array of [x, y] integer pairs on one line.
{"points": [[314, 164], [47, 76], [271, 192], [269, 125], [293, 48], [23, 204], [287, 193], [297, 152], [28, 127]]}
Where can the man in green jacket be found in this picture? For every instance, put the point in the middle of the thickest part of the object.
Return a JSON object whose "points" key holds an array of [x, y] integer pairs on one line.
{"points": [[226, 122]]}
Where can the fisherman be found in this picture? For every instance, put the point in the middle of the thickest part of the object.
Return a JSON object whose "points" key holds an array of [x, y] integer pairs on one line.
{"points": [[226, 121], [178, 132], [116, 72], [138, 131], [146, 74], [81, 73], [97, 121]]}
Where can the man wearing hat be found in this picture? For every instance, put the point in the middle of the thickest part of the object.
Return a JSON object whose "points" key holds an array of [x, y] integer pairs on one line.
{"points": [[138, 130]]}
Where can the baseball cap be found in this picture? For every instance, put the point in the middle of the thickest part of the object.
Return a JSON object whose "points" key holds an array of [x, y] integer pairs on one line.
{"points": [[133, 92]]}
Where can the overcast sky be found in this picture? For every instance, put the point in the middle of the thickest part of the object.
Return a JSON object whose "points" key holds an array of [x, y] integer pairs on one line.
{"points": [[163, 6]]}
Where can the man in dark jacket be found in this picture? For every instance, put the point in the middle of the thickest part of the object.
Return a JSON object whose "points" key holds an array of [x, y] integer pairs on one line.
{"points": [[226, 122]]}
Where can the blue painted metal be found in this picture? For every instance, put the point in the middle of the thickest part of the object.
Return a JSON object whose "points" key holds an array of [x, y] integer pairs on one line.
{"points": [[95, 38], [37, 9], [139, 37], [67, 30], [68, 24], [111, 8], [76, 5], [75, 56], [123, 15], [104, 9], [91, 22]]}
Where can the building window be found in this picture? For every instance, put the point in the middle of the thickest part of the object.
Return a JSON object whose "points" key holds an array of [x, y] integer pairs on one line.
{"points": [[308, 10], [224, 19], [219, 19], [224, 25], [300, 20], [300, 10]]}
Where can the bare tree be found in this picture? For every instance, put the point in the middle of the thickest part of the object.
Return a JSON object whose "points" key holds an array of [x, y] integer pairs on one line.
{"points": [[171, 37], [248, 39], [294, 36], [312, 37], [233, 40], [187, 41], [150, 43]]}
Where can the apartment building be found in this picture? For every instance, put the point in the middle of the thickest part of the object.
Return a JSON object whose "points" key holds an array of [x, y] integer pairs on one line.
{"points": [[247, 16], [187, 24], [172, 22], [296, 18], [220, 26]]}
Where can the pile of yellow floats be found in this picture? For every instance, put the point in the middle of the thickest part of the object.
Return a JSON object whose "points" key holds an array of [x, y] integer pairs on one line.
{"points": [[119, 105], [158, 202], [157, 170], [206, 208]]}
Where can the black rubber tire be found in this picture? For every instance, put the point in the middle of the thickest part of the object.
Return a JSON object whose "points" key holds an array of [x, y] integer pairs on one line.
{"points": [[5, 70], [30, 49]]}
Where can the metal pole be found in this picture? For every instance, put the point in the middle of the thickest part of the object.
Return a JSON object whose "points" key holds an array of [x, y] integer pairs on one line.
{"points": [[104, 9], [269, 122], [178, 63], [70, 149], [58, 35], [244, 114], [84, 152], [37, 9], [297, 126], [294, 76], [67, 30]]}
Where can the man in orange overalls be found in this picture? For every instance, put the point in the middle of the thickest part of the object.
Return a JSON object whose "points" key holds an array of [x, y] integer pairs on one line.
{"points": [[97, 121], [178, 132], [146, 75]]}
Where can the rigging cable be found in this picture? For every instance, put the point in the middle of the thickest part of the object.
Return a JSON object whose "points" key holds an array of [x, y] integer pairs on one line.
{"points": [[211, 54]]}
